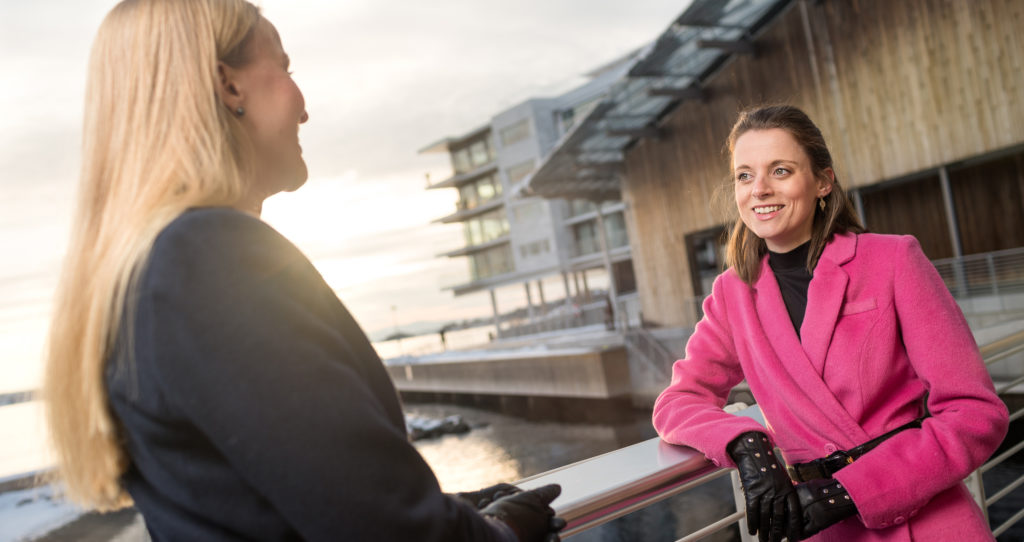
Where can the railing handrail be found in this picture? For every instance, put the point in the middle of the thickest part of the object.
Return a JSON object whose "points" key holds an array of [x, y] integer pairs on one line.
{"points": [[606, 487], [1009, 252]]}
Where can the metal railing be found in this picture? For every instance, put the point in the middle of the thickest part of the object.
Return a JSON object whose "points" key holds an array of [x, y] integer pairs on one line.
{"points": [[603, 488], [990, 274]]}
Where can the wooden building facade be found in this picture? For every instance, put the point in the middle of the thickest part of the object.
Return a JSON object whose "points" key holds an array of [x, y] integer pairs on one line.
{"points": [[919, 100]]}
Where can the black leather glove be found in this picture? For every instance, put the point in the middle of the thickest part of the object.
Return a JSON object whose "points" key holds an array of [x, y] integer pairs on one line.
{"points": [[773, 510], [825, 502], [528, 513], [481, 498]]}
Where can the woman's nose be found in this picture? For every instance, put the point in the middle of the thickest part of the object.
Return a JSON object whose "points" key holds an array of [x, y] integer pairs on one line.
{"points": [[760, 188]]}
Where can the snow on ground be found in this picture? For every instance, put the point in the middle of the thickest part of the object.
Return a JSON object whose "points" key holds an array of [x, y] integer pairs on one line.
{"points": [[532, 347], [29, 513]]}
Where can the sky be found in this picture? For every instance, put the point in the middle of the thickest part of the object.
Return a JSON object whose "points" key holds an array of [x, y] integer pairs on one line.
{"points": [[381, 78]]}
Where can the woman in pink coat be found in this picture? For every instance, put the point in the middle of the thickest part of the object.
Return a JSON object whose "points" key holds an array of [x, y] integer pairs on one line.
{"points": [[869, 379]]}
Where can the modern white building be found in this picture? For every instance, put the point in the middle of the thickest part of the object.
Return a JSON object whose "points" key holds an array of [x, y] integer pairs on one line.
{"points": [[512, 238]]}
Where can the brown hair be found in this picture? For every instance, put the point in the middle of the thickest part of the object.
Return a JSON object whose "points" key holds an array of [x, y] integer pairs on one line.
{"points": [[745, 250]]}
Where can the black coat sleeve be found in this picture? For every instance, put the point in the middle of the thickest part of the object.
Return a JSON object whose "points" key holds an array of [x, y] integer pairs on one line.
{"points": [[251, 346]]}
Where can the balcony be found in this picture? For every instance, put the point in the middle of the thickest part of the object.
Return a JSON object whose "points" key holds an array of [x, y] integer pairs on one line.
{"points": [[461, 178], [464, 213]]}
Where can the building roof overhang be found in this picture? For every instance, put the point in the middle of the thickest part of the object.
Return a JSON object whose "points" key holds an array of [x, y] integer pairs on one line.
{"points": [[588, 162], [446, 144]]}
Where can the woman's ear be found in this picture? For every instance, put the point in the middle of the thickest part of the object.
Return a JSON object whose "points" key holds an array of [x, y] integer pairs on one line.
{"points": [[825, 188], [227, 86]]}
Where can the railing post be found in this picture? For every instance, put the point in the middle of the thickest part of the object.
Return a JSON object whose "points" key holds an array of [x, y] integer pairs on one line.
{"points": [[992, 273], [741, 506], [977, 488]]}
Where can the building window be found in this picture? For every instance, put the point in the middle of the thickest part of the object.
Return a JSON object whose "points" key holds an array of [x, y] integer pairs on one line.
{"points": [[486, 227], [472, 155], [467, 196], [479, 153], [518, 171], [586, 236], [535, 248], [515, 133], [581, 206], [567, 118], [479, 192], [491, 262], [460, 161]]}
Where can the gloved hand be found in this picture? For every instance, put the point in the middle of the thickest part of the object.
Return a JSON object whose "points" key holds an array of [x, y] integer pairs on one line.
{"points": [[481, 498], [825, 502], [773, 510], [528, 513]]}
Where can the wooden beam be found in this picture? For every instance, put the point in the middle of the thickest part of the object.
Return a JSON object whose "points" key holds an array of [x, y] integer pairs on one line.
{"points": [[692, 92], [647, 131], [742, 47]]}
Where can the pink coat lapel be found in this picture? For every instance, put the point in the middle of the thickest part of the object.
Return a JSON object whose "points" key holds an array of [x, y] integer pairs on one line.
{"points": [[825, 299]]}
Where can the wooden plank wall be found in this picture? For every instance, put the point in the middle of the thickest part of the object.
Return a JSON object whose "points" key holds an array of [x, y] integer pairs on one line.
{"points": [[896, 87], [989, 202]]}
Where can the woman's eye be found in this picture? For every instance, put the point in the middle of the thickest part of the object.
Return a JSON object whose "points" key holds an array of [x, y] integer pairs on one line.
{"points": [[745, 176], [781, 171]]}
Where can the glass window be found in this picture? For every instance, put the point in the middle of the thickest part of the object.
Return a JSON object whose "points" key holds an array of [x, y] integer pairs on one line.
{"points": [[515, 133], [581, 206], [479, 153], [615, 226], [473, 232], [485, 189], [486, 227], [518, 171], [460, 161], [586, 239], [491, 262], [468, 196]]}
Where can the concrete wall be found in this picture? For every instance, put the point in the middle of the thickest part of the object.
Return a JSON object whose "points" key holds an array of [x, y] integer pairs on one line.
{"points": [[595, 374]]}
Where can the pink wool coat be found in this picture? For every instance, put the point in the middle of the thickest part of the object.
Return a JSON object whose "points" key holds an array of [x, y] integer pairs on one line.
{"points": [[880, 330]]}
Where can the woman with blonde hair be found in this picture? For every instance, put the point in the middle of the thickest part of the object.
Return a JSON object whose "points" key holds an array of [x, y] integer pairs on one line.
{"points": [[198, 365], [868, 377]]}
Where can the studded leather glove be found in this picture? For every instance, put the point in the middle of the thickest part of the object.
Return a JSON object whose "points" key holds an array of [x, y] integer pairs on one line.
{"points": [[825, 502], [773, 510], [482, 497], [529, 513]]}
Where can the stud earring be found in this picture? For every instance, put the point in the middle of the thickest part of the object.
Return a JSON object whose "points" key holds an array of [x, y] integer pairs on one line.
{"points": [[821, 203], [240, 111]]}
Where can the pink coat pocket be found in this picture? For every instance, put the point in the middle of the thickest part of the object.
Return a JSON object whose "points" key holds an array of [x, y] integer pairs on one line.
{"points": [[861, 305]]}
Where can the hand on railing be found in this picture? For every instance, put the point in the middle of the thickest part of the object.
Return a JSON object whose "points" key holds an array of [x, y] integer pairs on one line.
{"points": [[481, 498], [529, 514], [773, 510]]}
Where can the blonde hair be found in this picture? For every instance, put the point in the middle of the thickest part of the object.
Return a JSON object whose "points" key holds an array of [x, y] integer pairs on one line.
{"points": [[156, 141], [745, 249]]}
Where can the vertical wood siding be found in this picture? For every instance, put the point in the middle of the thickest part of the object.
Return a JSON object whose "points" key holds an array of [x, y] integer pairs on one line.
{"points": [[897, 87]]}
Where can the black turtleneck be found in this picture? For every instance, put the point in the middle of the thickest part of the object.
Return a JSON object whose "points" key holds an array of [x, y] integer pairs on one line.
{"points": [[790, 270]]}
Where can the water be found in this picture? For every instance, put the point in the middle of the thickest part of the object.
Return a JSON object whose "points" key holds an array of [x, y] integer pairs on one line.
{"points": [[510, 448]]}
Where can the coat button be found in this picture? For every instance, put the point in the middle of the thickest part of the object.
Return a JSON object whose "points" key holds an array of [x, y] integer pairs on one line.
{"points": [[900, 520], [830, 448], [913, 513], [884, 524]]}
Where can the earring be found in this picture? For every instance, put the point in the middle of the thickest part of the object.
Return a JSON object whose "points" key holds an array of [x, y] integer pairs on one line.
{"points": [[821, 203], [240, 111]]}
